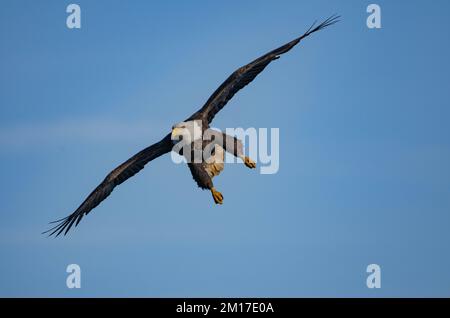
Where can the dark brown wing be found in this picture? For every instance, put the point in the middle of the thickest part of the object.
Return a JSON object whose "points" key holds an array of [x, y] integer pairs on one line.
{"points": [[244, 75], [123, 172]]}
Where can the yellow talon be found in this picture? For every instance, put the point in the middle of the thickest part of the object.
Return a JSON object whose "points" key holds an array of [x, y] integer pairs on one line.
{"points": [[217, 196], [249, 163]]}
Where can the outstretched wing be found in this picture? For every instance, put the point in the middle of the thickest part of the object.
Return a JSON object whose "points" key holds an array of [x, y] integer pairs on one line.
{"points": [[244, 75], [123, 172]]}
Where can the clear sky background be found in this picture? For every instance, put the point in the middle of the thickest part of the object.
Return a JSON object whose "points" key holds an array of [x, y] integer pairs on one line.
{"points": [[364, 149]]}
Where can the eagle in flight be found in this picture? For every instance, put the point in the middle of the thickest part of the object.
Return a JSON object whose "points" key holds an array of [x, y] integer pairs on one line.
{"points": [[192, 132]]}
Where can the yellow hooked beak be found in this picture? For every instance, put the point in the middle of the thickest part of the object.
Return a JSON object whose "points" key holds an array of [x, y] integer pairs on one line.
{"points": [[176, 132]]}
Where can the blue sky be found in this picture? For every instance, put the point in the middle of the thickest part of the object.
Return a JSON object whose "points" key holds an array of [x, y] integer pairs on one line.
{"points": [[364, 149]]}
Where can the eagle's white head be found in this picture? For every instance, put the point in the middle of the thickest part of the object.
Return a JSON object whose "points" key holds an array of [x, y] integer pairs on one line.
{"points": [[189, 131]]}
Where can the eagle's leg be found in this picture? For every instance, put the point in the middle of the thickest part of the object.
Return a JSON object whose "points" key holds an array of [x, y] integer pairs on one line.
{"points": [[236, 147], [204, 180], [217, 196], [249, 162]]}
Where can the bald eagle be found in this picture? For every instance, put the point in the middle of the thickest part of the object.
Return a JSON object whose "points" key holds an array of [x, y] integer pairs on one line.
{"points": [[190, 132]]}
